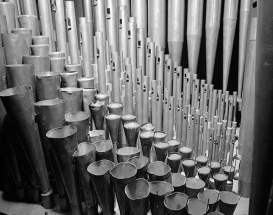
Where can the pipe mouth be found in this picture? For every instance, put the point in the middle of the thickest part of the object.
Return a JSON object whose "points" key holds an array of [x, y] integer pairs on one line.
{"points": [[185, 149], [112, 116], [220, 177], [161, 145], [19, 65], [195, 183], [69, 73], [178, 180], [215, 213], [49, 102], [188, 162], [39, 45], [62, 132], [159, 134], [147, 127], [158, 168], [205, 170], [146, 134], [230, 198], [56, 54], [131, 125], [101, 96], [39, 37], [228, 169], [173, 142], [139, 162], [176, 201], [210, 196], [123, 170], [139, 189], [73, 66], [160, 188], [15, 91], [100, 168], [83, 149], [81, 79], [175, 156], [34, 56], [197, 206], [214, 165], [76, 116], [128, 151], [128, 117], [46, 74], [103, 146], [115, 105], [201, 159]]}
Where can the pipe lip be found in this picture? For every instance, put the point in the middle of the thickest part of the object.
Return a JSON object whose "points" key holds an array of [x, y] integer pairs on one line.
{"points": [[103, 145], [85, 79], [19, 65], [198, 200], [128, 151], [61, 132], [161, 145], [115, 105], [139, 161], [229, 197], [69, 89], [19, 16], [175, 194], [49, 102], [146, 134], [46, 74], [112, 116], [123, 170], [131, 125], [83, 149], [145, 189], [159, 134], [76, 116], [156, 166], [34, 56], [160, 188], [178, 179], [39, 36], [100, 168], [209, 195], [15, 91], [39, 45]]}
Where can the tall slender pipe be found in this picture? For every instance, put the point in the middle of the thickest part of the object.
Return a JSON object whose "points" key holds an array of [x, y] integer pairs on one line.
{"points": [[99, 12], [132, 49], [72, 32], [88, 10], [157, 21], [230, 21], [112, 24], [100, 41], [123, 31], [243, 31], [175, 37], [8, 9], [194, 32], [45, 14], [115, 77], [139, 96], [141, 36], [213, 16], [139, 10], [128, 90]]}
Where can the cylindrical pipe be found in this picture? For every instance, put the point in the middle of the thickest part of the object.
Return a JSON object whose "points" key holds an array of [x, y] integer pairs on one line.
{"points": [[99, 12], [141, 36], [100, 41], [30, 22], [132, 49], [72, 97], [139, 9], [123, 31], [8, 9], [112, 24], [41, 64]]}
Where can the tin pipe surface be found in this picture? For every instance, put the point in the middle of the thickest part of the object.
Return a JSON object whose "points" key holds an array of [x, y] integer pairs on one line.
{"points": [[139, 9], [19, 103], [41, 64], [132, 49], [176, 25], [100, 41], [72, 97], [30, 22], [141, 37], [100, 18], [123, 31], [112, 24], [145, 98], [8, 9]]}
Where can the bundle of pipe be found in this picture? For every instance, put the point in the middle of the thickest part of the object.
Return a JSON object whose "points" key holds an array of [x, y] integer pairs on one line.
{"points": [[108, 58]]}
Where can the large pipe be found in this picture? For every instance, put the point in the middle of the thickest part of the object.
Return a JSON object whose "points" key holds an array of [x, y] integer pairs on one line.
{"points": [[99, 12], [123, 31], [46, 25], [19, 104], [157, 21], [230, 21], [213, 16], [175, 37], [194, 32], [112, 24], [132, 49], [8, 9], [30, 22], [141, 37], [139, 9]]}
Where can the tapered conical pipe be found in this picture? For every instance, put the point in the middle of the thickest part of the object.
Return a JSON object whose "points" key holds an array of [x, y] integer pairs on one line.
{"points": [[96, 109], [175, 37], [159, 190], [80, 120], [86, 83], [16, 13], [131, 130], [158, 171], [122, 174], [30, 22], [74, 68], [138, 201], [139, 95], [46, 25], [19, 104], [178, 182], [29, 7], [228, 202], [115, 77], [16, 46], [102, 183], [157, 21], [63, 141], [194, 186], [85, 40], [19, 75], [146, 139], [24, 32], [125, 153], [128, 108], [88, 97], [159, 136], [83, 156], [139, 9], [194, 32], [50, 114], [196, 206], [41, 64], [173, 160], [99, 12], [72, 97], [243, 34], [210, 196], [220, 181], [100, 41], [47, 85], [104, 150], [141, 163], [69, 79], [123, 30], [145, 98], [4, 25], [40, 50], [189, 167], [115, 107], [8, 9], [213, 16], [126, 118], [72, 32], [230, 21], [175, 203], [61, 27], [161, 150], [40, 40]]}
